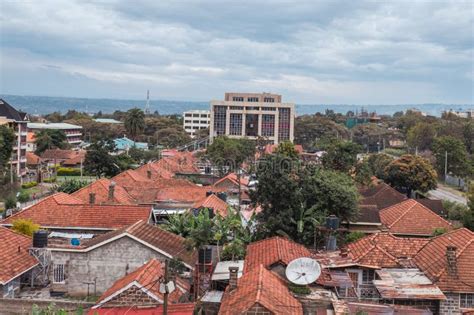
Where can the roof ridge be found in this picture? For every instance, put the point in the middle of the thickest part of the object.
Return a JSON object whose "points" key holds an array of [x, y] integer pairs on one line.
{"points": [[403, 214], [259, 283]]}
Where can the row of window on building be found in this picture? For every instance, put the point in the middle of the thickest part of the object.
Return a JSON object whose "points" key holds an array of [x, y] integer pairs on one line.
{"points": [[253, 99]]}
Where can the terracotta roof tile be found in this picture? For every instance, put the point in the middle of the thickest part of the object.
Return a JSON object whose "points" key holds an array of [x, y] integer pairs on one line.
{"points": [[273, 250], [173, 309], [432, 260], [58, 211], [101, 190], [381, 195], [215, 203], [410, 217], [168, 242], [59, 154], [146, 277], [32, 159], [385, 250], [14, 256], [233, 179], [260, 286]]}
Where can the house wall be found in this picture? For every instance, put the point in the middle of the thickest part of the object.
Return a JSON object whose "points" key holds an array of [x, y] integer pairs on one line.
{"points": [[131, 296], [258, 309], [102, 266], [450, 306], [10, 289]]}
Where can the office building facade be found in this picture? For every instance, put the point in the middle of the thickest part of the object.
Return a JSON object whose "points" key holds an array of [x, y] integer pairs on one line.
{"points": [[195, 120], [252, 115]]}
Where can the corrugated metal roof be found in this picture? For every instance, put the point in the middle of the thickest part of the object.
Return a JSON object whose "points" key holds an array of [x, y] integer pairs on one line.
{"points": [[53, 126], [212, 296], [406, 284]]}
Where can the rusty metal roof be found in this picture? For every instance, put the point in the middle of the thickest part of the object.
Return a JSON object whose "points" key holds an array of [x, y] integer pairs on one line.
{"points": [[409, 284]]}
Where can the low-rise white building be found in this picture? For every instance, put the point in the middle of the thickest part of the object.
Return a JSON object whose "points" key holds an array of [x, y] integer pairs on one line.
{"points": [[195, 120], [73, 132]]}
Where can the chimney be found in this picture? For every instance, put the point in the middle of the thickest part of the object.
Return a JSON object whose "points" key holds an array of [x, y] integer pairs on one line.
{"points": [[233, 275], [91, 198], [111, 190], [148, 174], [344, 252], [451, 259]]}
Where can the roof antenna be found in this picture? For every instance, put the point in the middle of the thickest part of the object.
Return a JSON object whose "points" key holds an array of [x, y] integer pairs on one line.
{"points": [[147, 106]]}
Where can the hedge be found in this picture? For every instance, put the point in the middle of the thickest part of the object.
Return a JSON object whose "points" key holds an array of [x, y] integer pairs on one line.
{"points": [[67, 171], [29, 185], [49, 180]]}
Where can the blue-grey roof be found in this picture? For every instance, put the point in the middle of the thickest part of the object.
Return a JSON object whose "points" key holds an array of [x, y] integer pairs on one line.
{"points": [[125, 143], [61, 126], [108, 121]]}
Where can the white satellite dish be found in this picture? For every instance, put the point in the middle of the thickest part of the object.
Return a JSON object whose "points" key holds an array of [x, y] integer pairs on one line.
{"points": [[303, 271]]}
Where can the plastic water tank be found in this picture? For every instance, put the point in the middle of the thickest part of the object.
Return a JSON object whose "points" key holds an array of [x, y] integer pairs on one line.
{"points": [[40, 239]]}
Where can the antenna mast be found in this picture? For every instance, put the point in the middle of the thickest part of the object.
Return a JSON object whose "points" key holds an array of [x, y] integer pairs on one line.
{"points": [[147, 106]]}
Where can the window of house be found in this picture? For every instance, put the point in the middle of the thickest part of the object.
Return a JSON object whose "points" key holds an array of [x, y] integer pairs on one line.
{"points": [[368, 276], [204, 115], [252, 99], [467, 300], [58, 273], [238, 99], [269, 100]]}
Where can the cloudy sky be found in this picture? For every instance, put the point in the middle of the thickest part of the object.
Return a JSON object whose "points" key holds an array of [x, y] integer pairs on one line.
{"points": [[353, 52]]}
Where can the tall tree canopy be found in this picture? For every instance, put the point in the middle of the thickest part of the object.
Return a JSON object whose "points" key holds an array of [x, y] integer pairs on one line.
{"points": [[99, 162], [7, 138], [316, 132], [457, 156], [135, 122], [378, 163], [341, 156], [230, 153], [421, 136], [409, 173], [50, 139], [295, 198]]}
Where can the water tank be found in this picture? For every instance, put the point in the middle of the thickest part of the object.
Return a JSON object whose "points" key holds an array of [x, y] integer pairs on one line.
{"points": [[205, 255], [40, 239], [332, 222], [331, 244]]}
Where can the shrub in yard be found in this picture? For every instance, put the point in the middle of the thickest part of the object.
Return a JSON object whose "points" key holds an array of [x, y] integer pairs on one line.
{"points": [[50, 180], [29, 185], [68, 171], [10, 202], [70, 186], [354, 236], [24, 196], [25, 227]]}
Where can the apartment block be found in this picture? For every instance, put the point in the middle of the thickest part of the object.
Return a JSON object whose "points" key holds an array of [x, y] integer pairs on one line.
{"points": [[17, 121], [195, 120], [253, 115], [73, 132]]}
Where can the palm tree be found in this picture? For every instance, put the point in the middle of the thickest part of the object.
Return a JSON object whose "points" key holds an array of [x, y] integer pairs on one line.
{"points": [[135, 122]]}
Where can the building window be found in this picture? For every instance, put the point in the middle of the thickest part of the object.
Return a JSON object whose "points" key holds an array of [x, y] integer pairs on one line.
{"points": [[283, 124], [188, 115], [252, 99], [253, 108], [203, 122], [269, 108], [237, 107], [58, 273], [368, 276], [203, 115], [238, 99], [220, 119], [235, 124], [268, 125], [187, 121], [467, 300], [269, 100], [195, 121]]}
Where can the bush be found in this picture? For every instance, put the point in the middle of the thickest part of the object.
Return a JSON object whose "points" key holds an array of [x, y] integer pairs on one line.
{"points": [[354, 236], [394, 152], [24, 196], [25, 227], [50, 180], [68, 171], [439, 231], [29, 185], [299, 289], [10, 202], [70, 186]]}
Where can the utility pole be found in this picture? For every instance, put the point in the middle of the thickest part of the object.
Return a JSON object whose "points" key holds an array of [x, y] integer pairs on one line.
{"points": [[81, 168], [445, 165], [165, 299]]}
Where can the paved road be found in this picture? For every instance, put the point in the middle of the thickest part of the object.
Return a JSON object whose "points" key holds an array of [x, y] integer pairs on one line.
{"points": [[443, 194]]}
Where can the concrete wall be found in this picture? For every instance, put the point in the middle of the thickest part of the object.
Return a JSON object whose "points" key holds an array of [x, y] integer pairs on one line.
{"points": [[103, 265], [451, 306]]}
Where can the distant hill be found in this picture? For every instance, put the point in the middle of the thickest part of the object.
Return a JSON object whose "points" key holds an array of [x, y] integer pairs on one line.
{"points": [[47, 104]]}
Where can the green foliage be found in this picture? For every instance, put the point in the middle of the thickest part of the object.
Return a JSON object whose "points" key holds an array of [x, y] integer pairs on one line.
{"points": [[421, 136], [409, 173], [50, 180], [341, 156], [299, 289], [124, 162], [354, 236], [287, 148], [68, 171], [53, 310], [172, 137], [70, 186], [25, 227], [50, 139], [468, 217], [23, 196], [99, 162], [29, 185], [10, 202], [394, 152], [439, 231], [457, 156], [295, 198], [135, 122], [363, 173], [229, 154], [315, 132], [455, 210], [369, 136], [7, 138], [378, 163]]}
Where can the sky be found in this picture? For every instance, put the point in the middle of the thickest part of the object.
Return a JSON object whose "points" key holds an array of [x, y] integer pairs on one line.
{"points": [[314, 52]]}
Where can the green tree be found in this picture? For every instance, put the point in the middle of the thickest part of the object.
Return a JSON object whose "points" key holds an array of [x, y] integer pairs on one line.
{"points": [[98, 160], [378, 163], [172, 137], [7, 138], [468, 217], [70, 186], [421, 136], [363, 173], [410, 173], [50, 139], [341, 156], [135, 122], [229, 154], [25, 227], [287, 148], [316, 132], [457, 156]]}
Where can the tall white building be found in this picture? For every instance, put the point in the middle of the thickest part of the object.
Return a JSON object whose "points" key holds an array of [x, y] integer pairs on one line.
{"points": [[252, 115], [195, 120]]}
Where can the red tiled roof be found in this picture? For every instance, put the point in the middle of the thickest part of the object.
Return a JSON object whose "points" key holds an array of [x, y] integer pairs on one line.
{"points": [[155, 169], [32, 159], [130, 178], [147, 277], [215, 203], [412, 218], [101, 190], [170, 243], [63, 214], [59, 154], [273, 250], [190, 193], [260, 286], [14, 256], [173, 309], [30, 137], [385, 250], [232, 177], [77, 160], [381, 195], [432, 261]]}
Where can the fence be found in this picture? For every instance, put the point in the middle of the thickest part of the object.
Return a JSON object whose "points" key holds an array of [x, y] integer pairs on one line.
{"points": [[458, 182]]}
